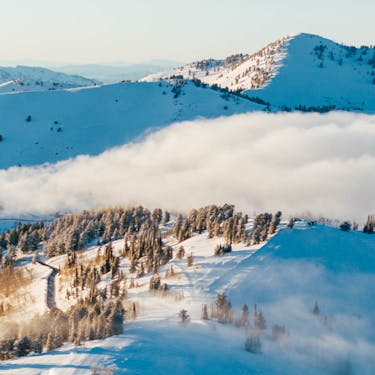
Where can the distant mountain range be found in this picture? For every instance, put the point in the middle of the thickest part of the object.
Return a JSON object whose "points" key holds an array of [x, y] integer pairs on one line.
{"points": [[113, 73], [27, 78]]}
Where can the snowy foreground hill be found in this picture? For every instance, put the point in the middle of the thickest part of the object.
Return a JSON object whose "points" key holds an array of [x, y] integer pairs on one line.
{"points": [[313, 284], [28, 78], [40, 127], [300, 71]]}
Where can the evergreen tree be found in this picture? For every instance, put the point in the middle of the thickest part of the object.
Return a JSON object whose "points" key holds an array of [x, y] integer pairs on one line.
{"points": [[204, 315], [49, 345], [316, 310], [291, 223], [223, 308], [259, 320], [184, 316], [345, 226], [22, 346], [180, 253], [253, 344], [116, 319], [245, 315], [166, 218], [190, 260]]}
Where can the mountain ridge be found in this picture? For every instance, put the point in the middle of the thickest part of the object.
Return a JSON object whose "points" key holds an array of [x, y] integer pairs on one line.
{"points": [[37, 127], [302, 70], [33, 78]]}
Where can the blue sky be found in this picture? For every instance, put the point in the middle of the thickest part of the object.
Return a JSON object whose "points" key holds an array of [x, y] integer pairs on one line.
{"points": [[89, 31]]}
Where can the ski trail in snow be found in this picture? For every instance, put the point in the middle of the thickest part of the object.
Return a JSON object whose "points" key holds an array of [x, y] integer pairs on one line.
{"points": [[51, 301]]}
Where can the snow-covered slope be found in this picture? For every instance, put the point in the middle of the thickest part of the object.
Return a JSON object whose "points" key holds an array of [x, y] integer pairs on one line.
{"points": [[318, 72], [27, 78], [41, 127], [303, 70], [237, 72], [285, 277]]}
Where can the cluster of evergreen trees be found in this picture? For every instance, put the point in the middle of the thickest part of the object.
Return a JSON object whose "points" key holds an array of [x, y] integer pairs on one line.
{"points": [[139, 227], [227, 92], [145, 248], [369, 225], [260, 73], [84, 321], [217, 220], [222, 249], [222, 311], [12, 283], [254, 327], [98, 315], [25, 237], [87, 276], [265, 224], [156, 285], [75, 231], [304, 108]]}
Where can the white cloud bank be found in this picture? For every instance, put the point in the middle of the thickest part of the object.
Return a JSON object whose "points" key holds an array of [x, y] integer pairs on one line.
{"points": [[292, 162]]}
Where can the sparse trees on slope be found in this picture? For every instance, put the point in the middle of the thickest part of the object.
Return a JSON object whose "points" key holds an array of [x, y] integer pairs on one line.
{"points": [[184, 316], [253, 344], [204, 315]]}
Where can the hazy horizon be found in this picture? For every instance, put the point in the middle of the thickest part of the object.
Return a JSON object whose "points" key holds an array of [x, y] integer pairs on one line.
{"points": [[94, 32]]}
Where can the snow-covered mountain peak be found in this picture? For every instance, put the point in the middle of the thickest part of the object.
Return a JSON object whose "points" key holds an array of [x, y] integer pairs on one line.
{"points": [[316, 71], [303, 71]]}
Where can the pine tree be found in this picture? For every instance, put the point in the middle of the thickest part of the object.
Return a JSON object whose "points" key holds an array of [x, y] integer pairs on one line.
{"points": [[275, 222], [49, 345], [316, 310], [155, 283], [259, 320], [277, 332], [204, 315], [291, 223], [180, 253], [184, 316], [116, 319], [190, 260], [167, 218], [22, 346], [245, 315], [223, 308], [253, 344], [345, 226]]}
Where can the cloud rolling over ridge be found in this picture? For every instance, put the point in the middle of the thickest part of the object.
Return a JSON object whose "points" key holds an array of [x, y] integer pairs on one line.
{"points": [[292, 162]]}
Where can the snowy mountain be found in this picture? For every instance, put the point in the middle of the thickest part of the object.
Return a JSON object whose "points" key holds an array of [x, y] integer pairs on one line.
{"points": [[313, 285], [304, 72], [300, 71], [27, 78], [40, 127]]}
